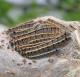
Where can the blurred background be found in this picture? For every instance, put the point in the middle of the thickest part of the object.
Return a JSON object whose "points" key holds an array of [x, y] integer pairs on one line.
{"points": [[13, 12]]}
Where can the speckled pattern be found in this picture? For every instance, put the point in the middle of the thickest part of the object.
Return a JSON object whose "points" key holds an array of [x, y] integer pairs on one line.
{"points": [[63, 63]]}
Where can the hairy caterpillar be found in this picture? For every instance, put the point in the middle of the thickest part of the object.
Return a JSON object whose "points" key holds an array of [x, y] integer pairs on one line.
{"points": [[38, 38]]}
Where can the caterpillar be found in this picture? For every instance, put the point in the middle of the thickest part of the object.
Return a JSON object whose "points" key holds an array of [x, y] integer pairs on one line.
{"points": [[36, 38]]}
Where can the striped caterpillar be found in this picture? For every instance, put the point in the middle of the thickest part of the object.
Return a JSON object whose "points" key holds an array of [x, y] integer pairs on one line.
{"points": [[38, 38]]}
